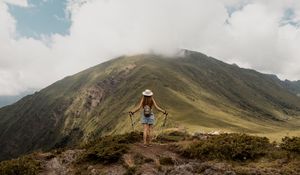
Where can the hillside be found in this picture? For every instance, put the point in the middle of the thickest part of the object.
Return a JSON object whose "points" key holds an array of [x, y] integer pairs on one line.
{"points": [[200, 93], [172, 153]]}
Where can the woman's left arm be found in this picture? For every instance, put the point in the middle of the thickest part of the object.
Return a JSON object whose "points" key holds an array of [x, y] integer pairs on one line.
{"points": [[157, 107]]}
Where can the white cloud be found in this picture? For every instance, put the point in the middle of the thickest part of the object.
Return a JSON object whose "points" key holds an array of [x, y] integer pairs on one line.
{"points": [[101, 29]]}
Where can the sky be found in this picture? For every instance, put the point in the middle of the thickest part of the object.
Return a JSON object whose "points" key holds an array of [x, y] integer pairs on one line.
{"points": [[42, 41]]}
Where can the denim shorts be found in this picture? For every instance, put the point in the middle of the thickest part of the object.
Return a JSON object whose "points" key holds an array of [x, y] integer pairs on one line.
{"points": [[147, 120]]}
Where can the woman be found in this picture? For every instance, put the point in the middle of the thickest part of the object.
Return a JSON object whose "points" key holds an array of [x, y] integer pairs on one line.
{"points": [[146, 103]]}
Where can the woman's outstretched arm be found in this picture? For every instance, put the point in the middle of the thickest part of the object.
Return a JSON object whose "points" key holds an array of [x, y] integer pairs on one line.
{"points": [[157, 107], [138, 107]]}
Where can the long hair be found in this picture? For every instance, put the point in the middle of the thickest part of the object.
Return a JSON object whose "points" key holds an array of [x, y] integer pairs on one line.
{"points": [[147, 101]]}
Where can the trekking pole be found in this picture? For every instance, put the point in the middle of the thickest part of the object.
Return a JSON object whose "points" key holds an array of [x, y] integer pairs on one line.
{"points": [[165, 120], [163, 125], [132, 124]]}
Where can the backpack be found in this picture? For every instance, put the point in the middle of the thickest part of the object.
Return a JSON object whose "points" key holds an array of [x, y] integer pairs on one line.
{"points": [[147, 111]]}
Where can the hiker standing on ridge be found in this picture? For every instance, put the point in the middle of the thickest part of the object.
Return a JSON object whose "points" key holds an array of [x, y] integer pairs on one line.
{"points": [[147, 118]]}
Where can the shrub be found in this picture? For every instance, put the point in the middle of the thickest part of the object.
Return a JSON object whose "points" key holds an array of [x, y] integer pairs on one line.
{"points": [[106, 154], [228, 146], [110, 149], [130, 171], [166, 161], [20, 166], [126, 138], [291, 144], [172, 136]]}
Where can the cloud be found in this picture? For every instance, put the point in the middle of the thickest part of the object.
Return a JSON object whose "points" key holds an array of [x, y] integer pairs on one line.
{"points": [[248, 32]]}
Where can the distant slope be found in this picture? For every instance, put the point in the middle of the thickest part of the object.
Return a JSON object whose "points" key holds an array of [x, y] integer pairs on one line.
{"points": [[200, 93], [7, 100], [293, 86], [10, 99]]}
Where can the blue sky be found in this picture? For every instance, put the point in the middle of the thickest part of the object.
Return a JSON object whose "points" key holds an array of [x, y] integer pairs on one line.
{"points": [[42, 17]]}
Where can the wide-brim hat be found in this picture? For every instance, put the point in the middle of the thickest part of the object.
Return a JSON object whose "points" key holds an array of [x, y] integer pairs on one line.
{"points": [[147, 92]]}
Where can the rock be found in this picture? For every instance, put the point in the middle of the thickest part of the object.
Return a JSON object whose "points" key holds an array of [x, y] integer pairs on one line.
{"points": [[200, 136], [211, 171], [185, 169], [215, 133], [213, 168], [202, 167], [54, 166], [283, 161], [94, 172], [219, 166], [90, 168], [229, 173]]}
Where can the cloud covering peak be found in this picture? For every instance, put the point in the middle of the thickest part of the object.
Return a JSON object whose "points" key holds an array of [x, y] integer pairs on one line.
{"points": [[259, 34]]}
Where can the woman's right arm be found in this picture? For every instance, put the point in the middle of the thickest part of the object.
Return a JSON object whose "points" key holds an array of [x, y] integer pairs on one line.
{"points": [[138, 107]]}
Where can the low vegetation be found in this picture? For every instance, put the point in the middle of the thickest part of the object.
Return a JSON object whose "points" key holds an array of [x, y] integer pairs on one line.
{"points": [[291, 144], [166, 160], [24, 166], [140, 159], [109, 149], [179, 153], [238, 147], [172, 136]]}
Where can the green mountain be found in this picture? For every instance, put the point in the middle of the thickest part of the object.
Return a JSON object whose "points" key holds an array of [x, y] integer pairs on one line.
{"points": [[200, 93]]}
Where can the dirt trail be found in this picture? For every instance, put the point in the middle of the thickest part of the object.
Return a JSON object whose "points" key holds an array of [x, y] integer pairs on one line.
{"points": [[154, 152]]}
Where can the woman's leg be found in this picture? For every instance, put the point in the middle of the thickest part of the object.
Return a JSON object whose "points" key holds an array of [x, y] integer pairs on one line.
{"points": [[149, 134], [145, 133]]}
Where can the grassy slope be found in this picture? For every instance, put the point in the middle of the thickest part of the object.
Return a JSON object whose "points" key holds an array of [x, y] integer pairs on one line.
{"points": [[200, 93], [240, 100]]}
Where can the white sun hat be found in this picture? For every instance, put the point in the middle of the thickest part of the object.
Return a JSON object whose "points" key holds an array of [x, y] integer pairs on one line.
{"points": [[147, 92]]}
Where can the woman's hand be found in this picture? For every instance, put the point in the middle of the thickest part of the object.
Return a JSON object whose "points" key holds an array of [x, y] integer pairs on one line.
{"points": [[165, 112]]}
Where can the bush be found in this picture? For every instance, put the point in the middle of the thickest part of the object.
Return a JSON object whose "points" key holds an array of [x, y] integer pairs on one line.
{"points": [[172, 136], [106, 154], [20, 166], [110, 149], [291, 144], [166, 161], [126, 138], [239, 147], [130, 171]]}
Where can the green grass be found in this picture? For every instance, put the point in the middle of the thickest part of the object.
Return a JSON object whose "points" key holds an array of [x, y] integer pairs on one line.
{"points": [[291, 144], [25, 165], [239, 148], [109, 149]]}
